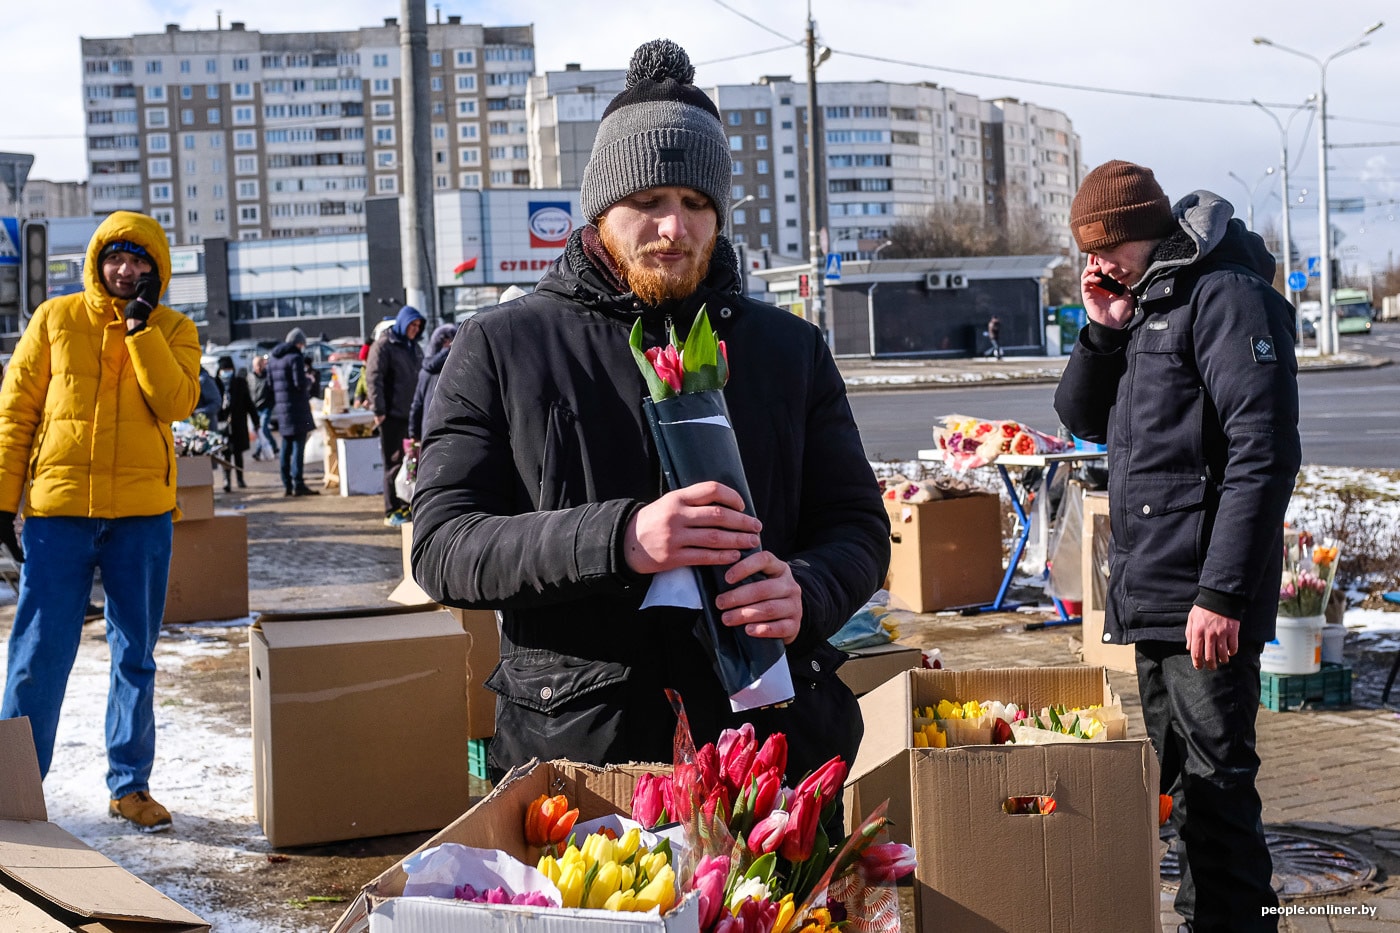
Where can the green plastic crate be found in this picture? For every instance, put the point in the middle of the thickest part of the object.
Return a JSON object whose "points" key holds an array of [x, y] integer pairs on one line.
{"points": [[1330, 686], [478, 749]]}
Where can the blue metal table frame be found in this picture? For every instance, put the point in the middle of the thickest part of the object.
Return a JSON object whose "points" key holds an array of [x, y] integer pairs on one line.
{"points": [[1049, 463]]}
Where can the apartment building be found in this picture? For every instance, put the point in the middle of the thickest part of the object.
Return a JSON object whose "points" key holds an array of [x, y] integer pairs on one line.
{"points": [[246, 135], [890, 153], [47, 199]]}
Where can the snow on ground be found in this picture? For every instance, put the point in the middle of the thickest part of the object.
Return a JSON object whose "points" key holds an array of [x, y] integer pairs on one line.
{"points": [[203, 775]]}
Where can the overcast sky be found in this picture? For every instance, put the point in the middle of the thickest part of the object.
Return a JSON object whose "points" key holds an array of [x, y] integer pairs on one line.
{"points": [[1193, 48]]}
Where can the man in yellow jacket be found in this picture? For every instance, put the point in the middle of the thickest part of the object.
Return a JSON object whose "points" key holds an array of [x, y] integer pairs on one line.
{"points": [[86, 446]]}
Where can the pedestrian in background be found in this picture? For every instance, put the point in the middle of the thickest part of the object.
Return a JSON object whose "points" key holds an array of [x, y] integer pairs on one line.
{"points": [[291, 392], [994, 337], [391, 377], [85, 412], [236, 415], [210, 398], [1186, 370], [439, 345], [260, 390]]}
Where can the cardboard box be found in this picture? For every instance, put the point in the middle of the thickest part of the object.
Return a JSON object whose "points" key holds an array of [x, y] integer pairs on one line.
{"points": [[208, 569], [945, 553], [194, 488], [359, 723], [333, 400], [1094, 542], [483, 651], [359, 466], [867, 668], [1091, 865], [194, 471], [495, 823], [50, 881]]}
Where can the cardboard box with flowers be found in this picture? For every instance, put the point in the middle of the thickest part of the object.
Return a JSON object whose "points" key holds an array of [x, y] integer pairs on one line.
{"points": [[549, 850], [1073, 821]]}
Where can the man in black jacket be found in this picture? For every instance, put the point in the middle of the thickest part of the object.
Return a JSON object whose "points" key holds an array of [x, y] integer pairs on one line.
{"points": [[391, 375], [1186, 370], [539, 488], [291, 393]]}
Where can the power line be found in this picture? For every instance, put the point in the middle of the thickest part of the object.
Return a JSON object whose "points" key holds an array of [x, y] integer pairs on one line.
{"points": [[744, 16], [730, 58]]}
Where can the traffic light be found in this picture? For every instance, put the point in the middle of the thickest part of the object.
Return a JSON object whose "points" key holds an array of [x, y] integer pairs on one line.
{"points": [[804, 289], [34, 266]]}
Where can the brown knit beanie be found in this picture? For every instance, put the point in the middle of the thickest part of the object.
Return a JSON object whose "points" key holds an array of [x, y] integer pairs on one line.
{"points": [[1117, 203]]}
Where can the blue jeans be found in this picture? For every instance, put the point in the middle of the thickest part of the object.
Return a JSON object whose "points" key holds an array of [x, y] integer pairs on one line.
{"points": [[54, 584], [265, 428], [293, 451]]}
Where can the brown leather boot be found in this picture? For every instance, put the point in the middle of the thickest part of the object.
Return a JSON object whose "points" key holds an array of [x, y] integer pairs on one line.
{"points": [[141, 811]]}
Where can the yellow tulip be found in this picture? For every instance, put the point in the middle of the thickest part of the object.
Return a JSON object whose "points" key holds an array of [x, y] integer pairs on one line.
{"points": [[549, 867], [920, 740], [571, 886], [786, 910], [627, 846], [660, 891], [629, 878], [621, 900], [605, 884]]}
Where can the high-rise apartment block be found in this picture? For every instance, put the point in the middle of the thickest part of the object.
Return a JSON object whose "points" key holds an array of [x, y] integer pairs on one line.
{"points": [[241, 134]]}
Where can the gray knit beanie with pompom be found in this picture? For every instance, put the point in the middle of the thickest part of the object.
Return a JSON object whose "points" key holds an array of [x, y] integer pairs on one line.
{"points": [[662, 130]]}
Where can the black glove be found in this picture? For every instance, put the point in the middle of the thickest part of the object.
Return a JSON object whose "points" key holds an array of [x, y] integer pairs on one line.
{"points": [[9, 538], [147, 297]]}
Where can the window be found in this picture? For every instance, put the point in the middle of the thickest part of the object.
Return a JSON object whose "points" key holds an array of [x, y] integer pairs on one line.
{"points": [[245, 165], [787, 124], [211, 66], [765, 216], [218, 189], [157, 117], [467, 131], [381, 86], [160, 193], [245, 139], [386, 184], [466, 83], [785, 101], [158, 142], [436, 59], [736, 144], [165, 217], [736, 168], [471, 180], [184, 66], [763, 191], [213, 114], [240, 64], [468, 156], [155, 92], [243, 91], [186, 92], [219, 215], [384, 159], [466, 108], [741, 217], [380, 60], [191, 191], [383, 109], [440, 181], [735, 118], [435, 83], [761, 166], [789, 173], [271, 136], [760, 143], [248, 214], [384, 135], [466, 58], [736, 192], [247, 190], [500, 178], [439, 131], [191, 167], [187, 117], [211, 92], [192, 217], [153, 67], [243, 115]]}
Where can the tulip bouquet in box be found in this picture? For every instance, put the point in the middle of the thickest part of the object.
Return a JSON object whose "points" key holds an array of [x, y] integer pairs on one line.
{"points": [[695, 441], [971, 442], [759, 855], [996, 723], [1309, 570], [194, 439]]}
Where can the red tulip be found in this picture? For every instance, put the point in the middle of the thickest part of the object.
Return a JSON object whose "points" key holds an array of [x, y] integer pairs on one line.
{"points": [[826, 780], [764, 797], [887, 862], [710, 877], [548, 820], [800, 836], [768, 833], [773, 754], [707, 769], [649, 800], [667, 363], [737, 751]]}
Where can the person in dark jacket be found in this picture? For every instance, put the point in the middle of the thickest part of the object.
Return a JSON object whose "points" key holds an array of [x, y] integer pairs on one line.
{"points": [[291, 393], [209, 399], [994, 337], [391, 376], [1186, 370], [539, 486], [260, 390], [438, 347], [236, 414]]}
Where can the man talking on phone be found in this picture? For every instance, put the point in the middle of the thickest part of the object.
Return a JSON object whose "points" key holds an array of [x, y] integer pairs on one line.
{"points": [[1186, 371]]}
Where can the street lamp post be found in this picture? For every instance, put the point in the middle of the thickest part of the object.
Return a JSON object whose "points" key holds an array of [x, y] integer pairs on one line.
{"points": [[1283, 180], [1327, 324], [1253, 193], [815, 258], [876, 254], [740, 250]]}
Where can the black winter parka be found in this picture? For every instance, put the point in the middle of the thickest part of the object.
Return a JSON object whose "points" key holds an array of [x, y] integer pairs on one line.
{"points": [[536, 454], [1197, 400]]}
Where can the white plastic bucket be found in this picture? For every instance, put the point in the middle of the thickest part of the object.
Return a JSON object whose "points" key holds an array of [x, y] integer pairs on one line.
{"points": [[1333, 637], [1297, 646]]}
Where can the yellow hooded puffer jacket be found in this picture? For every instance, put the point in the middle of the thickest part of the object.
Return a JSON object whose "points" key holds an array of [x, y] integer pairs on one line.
{"points": [[85, 410]]}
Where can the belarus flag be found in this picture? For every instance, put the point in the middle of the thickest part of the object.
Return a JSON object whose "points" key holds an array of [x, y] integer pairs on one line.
{"points": [[465, 267]]}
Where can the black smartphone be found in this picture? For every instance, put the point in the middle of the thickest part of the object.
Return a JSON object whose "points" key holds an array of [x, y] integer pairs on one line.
{"points": [[1111, 285]]}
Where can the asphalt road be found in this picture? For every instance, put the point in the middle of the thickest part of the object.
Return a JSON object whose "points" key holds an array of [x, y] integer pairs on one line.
{"points": [[1349, 417]]}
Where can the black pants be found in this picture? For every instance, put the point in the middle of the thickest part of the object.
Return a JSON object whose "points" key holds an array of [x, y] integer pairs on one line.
{"points": [[1202, 724], [392, 433], [237, 457]]}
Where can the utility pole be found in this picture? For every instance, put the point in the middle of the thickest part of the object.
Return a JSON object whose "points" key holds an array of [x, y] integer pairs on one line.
{"points": [[815, 215], [420, 289]]}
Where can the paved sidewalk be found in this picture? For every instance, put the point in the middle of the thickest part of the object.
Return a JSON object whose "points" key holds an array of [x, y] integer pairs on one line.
{"points": [[863, 374]]}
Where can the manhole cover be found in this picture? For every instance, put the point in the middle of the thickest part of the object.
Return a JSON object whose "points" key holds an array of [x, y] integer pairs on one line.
{"points": [[1303, 867]]}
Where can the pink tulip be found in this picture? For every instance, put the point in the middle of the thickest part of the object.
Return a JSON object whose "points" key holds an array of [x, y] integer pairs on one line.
{"points": [[887, 862], [724, 352], [752, 917], [826, 781], [768, 833], [710, 877], [667, 363], [649, 800], [800, 835]]}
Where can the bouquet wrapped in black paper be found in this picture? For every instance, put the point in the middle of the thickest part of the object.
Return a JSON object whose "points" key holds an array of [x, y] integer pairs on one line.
{"points": [[696, 443]]}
